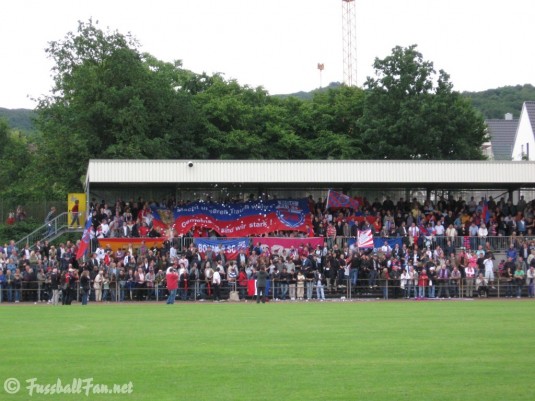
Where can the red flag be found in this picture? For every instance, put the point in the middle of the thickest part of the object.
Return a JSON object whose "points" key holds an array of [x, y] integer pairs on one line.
{"points": [[86, 238], [339, 200]]}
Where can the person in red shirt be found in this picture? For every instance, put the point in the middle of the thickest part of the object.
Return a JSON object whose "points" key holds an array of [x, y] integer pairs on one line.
{"points": [[423, 281], [75, 214], [331, 234], [242, 282], [171, 277], [144, 230]]}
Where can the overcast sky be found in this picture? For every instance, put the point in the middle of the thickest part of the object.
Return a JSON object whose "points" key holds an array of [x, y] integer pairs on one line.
{"points": [[277, 44]]}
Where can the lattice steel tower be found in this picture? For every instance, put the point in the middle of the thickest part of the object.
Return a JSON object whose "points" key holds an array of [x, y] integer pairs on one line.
{"points": [[349, 40]]}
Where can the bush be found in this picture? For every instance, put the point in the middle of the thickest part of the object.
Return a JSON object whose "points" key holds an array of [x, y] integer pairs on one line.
{"points": [[18, 230]]}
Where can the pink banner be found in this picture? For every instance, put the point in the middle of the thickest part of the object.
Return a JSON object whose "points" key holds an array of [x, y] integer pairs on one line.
{"points": [[275, 246]]}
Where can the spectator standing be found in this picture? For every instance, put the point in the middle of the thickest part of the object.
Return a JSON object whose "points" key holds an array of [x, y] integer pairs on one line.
{"points": [[470, 275], [216, 283], [482, 286], [97, 285], [456, 282], [384, 277], [55, 283], [489, 269], [530, 281], [423, 281], [261, 280], [300, 285], [443, 281], [85, 286], [432, 275], [519, 281], [320, 293], [171, 277], [48, 221], [75, 214]]}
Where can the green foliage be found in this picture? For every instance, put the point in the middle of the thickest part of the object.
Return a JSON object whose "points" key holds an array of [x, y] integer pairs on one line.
{"points": [[21, 119], [495, 103], [18, 230], [411, 113], [109, 100], [15, 157]]}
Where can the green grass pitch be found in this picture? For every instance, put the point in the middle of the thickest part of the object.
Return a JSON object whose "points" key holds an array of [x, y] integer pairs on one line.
{"points": [[439, 350]]}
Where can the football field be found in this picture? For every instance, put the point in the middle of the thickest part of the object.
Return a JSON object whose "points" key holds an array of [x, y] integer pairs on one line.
{"points": [[360, 350]]}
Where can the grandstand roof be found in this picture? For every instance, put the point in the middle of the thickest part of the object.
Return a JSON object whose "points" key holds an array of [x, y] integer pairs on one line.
{"points": [[315, 173]]}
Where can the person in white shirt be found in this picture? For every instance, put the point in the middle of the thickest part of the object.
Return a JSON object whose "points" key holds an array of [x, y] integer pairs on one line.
{"points": [[97, 285], [482, 232], [320, 293], [184, 261], [404, 281], [451, 232], [173, 254], [104, 229], [414, 232], [470, 273], [100, 253], [489, 269], [386, 249], [216, 283], [439, 229]]}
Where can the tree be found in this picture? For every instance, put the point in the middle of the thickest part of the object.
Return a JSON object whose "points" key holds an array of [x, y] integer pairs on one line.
{"points": [[110, 101], [15, 158], [335, 115], [495, 103], [411, 113]]}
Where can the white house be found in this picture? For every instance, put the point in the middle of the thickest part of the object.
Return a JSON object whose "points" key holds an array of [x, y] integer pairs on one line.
{"points": [[524, 145]]}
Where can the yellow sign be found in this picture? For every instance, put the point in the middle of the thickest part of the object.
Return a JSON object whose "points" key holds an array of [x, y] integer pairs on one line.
{"points": [[77, 206]]}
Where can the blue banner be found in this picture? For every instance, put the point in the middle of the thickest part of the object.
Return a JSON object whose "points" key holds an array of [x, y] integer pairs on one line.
{"points": [[231, 246]]}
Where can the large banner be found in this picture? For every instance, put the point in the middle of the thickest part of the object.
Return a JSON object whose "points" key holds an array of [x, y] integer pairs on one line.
{"points": [[275, 246], [231, 246], [238, 219]]}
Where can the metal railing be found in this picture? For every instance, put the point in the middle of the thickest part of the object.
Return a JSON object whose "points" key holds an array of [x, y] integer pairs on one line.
{"points": [[497, 244], [60, 225], [201, 290], [56, 227]]}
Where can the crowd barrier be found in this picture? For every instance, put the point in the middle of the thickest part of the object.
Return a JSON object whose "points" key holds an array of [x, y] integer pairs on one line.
{"points": [[200, 290]]}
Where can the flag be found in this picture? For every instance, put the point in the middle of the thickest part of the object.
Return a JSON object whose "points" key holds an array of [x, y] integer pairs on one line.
{"points": [[251, 287], [485, 213], [365, 239], [339, 200], [86, 238], [423, 230]]}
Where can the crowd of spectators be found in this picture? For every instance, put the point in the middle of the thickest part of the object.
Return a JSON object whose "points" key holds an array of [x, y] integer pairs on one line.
{"points": [[447, 218], [442, 252]]}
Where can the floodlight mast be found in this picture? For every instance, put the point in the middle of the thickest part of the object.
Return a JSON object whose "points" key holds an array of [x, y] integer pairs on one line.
{"points": [[349, 41]]}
